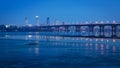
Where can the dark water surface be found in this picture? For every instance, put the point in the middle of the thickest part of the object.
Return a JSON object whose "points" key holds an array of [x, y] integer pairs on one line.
{"points": [[33, 50]]}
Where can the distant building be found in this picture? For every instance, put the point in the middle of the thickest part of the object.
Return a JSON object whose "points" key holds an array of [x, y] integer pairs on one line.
{"points": [[26, 21], [37, 20], [48, 21]]}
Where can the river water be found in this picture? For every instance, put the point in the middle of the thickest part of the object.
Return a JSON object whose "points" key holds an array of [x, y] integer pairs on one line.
{"points": [[40, 50]]}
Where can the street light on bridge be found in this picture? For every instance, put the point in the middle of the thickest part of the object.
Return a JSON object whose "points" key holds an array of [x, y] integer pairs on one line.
{"points": [[114, 22], [102, 22], [96, 22]]}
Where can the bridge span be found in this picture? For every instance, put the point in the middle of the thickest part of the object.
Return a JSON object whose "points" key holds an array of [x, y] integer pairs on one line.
{"points": [[77, 28]]}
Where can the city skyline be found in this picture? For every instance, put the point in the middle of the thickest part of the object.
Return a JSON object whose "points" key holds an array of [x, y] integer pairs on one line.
{"points": [[14, 11]]}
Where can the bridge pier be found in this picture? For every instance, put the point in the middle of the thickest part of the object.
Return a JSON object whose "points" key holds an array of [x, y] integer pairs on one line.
{"points": [[91, 30], [49, 29], [56, 29], [113, 31], [77, 28], [102, 31], [66, 29]]}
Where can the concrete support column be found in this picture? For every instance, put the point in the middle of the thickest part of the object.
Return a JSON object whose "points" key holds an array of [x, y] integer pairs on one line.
{"points": [[101, 30], [56, 29], [91, 30], [77, 28], [66, 29], [113, 31]]}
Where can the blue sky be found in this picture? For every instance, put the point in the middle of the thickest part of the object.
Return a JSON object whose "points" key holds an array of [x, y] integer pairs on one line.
{"points": [[14, 11]]}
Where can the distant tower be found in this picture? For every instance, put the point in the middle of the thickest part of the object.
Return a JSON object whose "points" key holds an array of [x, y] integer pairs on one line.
{"points": [[37, 20], [26, 21], [48, 21], [63, 23]]}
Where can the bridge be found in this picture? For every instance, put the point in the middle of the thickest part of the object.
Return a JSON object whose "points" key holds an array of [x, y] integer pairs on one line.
{"points": [[77, 27], [66, 28]]}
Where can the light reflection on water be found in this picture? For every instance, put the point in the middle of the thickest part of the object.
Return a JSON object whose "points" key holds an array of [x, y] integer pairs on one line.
{"points": [[58, 52]]}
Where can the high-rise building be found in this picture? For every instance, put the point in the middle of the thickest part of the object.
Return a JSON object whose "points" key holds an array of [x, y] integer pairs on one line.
{"points": [[26, 21], [37, 20], [48, 21]]}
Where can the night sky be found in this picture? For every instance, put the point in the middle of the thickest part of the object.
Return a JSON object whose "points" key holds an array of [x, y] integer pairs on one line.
{"points": [[14, 11]]}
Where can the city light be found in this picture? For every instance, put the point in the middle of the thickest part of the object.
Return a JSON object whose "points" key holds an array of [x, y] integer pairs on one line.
{"points": [[114, 21], [102, 22], [96, 22], [36, 16], [7, 26], [30, 25]]}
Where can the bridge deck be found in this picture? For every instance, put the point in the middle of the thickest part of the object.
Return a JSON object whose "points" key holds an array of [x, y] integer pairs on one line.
{"points": [[88, 36]]}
